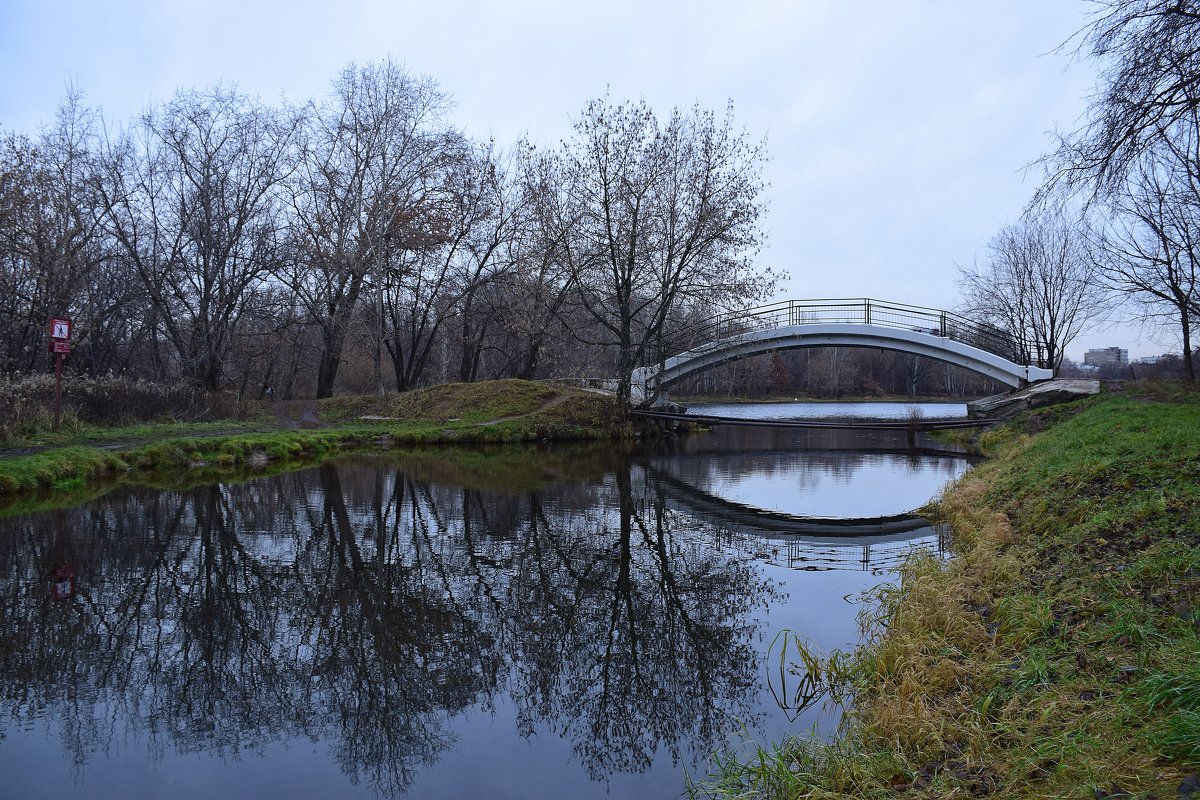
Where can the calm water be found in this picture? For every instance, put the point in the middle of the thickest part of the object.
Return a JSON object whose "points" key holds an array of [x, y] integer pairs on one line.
{"points": [[535, 622], [831, 410]]}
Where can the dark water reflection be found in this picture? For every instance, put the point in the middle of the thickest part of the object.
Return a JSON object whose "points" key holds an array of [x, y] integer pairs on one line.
{"points": [[547, 622]]}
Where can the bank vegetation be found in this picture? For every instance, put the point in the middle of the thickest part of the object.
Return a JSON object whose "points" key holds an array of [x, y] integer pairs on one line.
{"points": [[52, 466], [1055, 654]]}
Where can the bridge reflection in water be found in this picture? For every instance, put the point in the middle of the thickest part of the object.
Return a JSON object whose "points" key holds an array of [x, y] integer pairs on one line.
{"points": [[797, 542]]}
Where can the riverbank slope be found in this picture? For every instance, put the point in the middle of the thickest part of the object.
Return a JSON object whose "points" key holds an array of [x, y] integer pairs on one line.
{"points": [[1057, 654], [300, 432]]}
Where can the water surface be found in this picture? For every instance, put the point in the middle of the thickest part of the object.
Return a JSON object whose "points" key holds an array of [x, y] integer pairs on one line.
{"points": [[831, 410], [520, 622]]}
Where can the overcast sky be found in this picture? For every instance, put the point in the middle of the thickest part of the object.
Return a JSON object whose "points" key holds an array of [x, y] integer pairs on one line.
{"points": [[899, 131]]}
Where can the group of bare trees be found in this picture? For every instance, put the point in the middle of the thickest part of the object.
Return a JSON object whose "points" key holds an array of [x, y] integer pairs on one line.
{"points": [[241, 245], [362, 241], [1130, 177], [1038, 280]]}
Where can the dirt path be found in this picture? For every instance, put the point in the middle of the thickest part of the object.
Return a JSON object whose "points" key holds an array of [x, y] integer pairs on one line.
{"points": [[556, 400]]}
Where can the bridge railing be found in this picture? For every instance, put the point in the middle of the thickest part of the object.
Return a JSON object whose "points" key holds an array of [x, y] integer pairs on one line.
{"points": [[711, 332]]}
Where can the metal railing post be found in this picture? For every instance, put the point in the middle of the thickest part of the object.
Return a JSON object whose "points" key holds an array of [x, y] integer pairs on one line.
{"points": [[867, 311]]}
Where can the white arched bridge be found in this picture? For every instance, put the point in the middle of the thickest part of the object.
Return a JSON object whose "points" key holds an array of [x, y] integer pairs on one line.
{"points": [[941, 335]]}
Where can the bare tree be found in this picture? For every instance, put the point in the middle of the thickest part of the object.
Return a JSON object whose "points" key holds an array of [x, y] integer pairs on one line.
{"points": [[536, 291], [53, 249], [470, 216], [1038, 283], [491, 210], [1150, 250], [191, 198], [659, 216], [1149, 85], [366, 162]]}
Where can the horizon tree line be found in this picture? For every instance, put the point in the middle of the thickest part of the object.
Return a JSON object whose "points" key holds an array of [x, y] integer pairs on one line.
{"points": [[239, 245]]}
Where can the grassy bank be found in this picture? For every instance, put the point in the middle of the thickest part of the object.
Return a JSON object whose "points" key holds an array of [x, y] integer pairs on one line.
{"points": [[495, 411], [1057, 654]]}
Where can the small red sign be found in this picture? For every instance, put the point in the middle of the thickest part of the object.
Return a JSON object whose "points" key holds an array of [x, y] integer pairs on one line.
{"points": [[62, 583], [60, 328], [60, 346]]}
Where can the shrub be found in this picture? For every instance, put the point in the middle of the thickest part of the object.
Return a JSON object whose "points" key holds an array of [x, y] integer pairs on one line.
{"points": [[27, 402]]}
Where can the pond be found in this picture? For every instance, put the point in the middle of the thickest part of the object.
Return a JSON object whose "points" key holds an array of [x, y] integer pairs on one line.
{"points": [[553, 621]]}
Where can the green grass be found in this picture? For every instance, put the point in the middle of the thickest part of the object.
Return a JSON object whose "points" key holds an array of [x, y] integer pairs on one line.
{"points": [[1056, 654], [461, 402], [74, 432], [63, 468]]}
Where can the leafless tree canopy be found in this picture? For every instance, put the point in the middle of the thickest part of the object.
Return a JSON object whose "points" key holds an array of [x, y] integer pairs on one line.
{"points": [[1038, 281], [359, 240], [658, 218], [1149, 85], [365, 164], [1149, 250], [192, 203], [1137, 158]]}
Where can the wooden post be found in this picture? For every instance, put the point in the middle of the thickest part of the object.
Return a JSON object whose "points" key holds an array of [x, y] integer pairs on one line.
{"points": [[58, 359], [60, 345]]}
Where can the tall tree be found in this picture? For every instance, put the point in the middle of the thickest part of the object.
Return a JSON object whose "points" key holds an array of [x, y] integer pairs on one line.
{"points": [[659, 216], [53, 250], [1038, 283], [1150, 250], [467, 221], [1149, 85], [191, 194], [491, 213], [367, 159], [536, 291]]}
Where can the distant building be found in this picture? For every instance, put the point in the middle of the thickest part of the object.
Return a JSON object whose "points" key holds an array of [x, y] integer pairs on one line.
{"points": [[1107, 357]]}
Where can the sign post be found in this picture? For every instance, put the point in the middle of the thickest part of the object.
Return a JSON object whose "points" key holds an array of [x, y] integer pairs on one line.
{"points": [[60, 345]]}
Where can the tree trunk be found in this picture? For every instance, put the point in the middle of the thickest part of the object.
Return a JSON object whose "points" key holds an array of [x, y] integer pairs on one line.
{"points": [[331, 360], [532, 357], [1189, 369]]}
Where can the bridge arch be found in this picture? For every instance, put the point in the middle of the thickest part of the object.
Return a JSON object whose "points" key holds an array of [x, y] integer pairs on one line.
{"points": [[860, 323], [764, 523]]}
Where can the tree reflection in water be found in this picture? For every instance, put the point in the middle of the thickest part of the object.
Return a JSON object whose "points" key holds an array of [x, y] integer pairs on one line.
{"points": [[367, 607]]}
